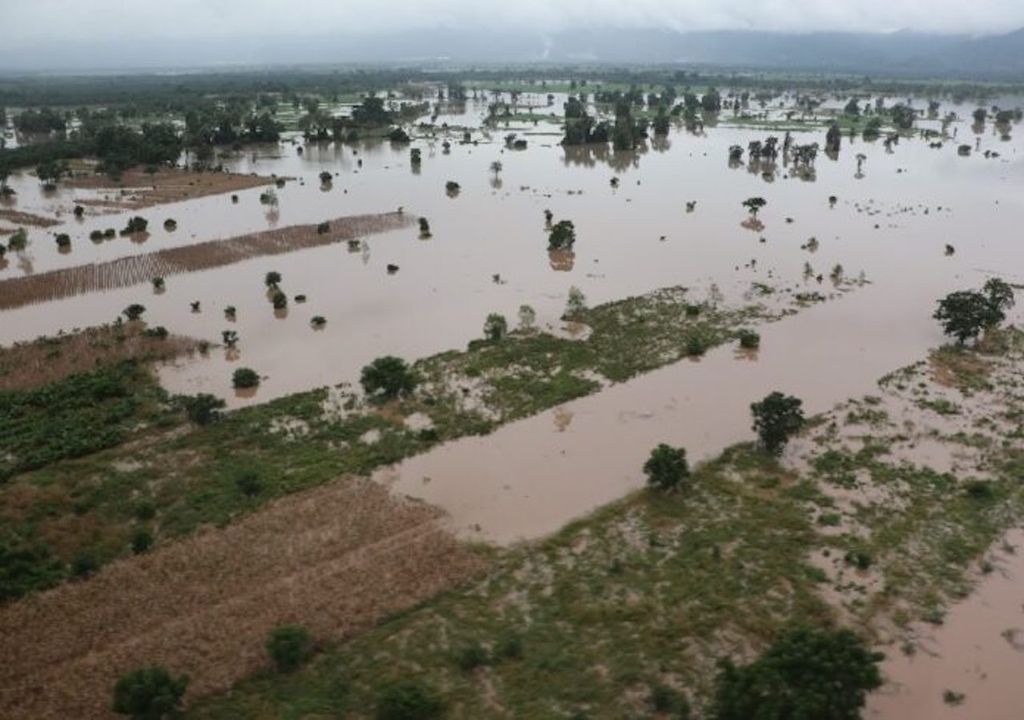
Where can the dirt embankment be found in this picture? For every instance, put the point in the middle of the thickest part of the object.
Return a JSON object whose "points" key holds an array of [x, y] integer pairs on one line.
{"points": [[31, 364], [137, 269], [337, 560], [23, 218], [137, 189]]}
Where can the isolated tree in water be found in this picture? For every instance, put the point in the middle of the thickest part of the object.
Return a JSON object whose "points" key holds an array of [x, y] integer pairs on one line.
{"points": [[272, 279], [777, 418], [666, 468], [495, 327], [562, 235], [754, 205], [806, 674]]}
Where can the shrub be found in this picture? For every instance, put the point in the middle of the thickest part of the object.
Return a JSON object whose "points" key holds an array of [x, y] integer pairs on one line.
{"points": [[109, 233], [495, 327], [279, 300], [289, 646], [398, 135], [202, 409], [471, 657], [387, 377], [749, 339], [63, 240], [249, 483], [25, 568], [272, 279], [777, 418], [424, 228], [326, 177], [562, 235], [170, 224], [158, 283], [134, 311], [96, 235], [576, 304], [84, 564], [318, 321], [806, 673], [452, 188], [408, 700], [323, 228], [527, 318], [149, 693], [79, 211], [142, 541], [666, 468], [157, 333], [18, 241], [245, 378], [696, 345], [135, 225]]}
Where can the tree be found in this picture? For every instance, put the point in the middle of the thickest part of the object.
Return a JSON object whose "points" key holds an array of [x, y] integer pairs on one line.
{"points": [[149, 693], [496, 167], [326, 177], [244, 378], [407, 700], [754, 205], [666, 468], [777, 418], [272, 279], [852, 108], [576, 303], [289, 646], [965, 313], [134, 311], [806, 674], [135, 225], [18, 241], [527, 318], [562, 235], [202, 409], [495, 327], [387, 377]]}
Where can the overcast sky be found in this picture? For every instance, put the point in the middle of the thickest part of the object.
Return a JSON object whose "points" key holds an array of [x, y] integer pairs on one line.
{"points": [[29, 21]]}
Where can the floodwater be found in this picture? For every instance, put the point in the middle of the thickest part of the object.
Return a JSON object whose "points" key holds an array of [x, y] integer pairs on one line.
{"points": [[530, 477], [631, 239], [977, 652]]}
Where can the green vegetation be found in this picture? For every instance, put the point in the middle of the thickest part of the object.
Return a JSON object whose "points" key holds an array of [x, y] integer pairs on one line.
{"points": [[562, 236], [666, 468], [777, 418], [387, 378], [243, 378], [288, 647], [964, 314], [149, 693]]}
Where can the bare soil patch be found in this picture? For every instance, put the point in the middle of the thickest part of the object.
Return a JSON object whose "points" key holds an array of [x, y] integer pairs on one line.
{"points": [[337, 560], [137, 189], [136, 269], [23, 218], [31, 364]]}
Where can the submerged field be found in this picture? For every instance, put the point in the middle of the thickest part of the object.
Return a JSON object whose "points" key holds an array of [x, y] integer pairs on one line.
{"points": [[487, 535]]}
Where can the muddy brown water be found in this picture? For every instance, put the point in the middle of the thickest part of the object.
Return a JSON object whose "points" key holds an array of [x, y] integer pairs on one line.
{"points": [[978, 652], [530, 477]]}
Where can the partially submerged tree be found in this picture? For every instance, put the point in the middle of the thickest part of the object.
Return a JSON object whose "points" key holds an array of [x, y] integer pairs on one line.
{"points": [[134, 311], [562, 235], [777, 418], [244, 378], [272, 279], [666, 468], [754, 205]]}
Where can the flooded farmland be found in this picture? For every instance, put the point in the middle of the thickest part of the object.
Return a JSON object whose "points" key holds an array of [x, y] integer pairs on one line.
{"points": [[844, 265]]}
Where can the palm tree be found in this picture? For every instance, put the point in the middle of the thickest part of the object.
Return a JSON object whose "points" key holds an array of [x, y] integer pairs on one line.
{"points": [[496, 167]]}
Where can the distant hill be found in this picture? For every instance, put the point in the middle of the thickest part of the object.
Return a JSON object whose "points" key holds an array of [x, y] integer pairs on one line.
{"points": [[904, 53]]}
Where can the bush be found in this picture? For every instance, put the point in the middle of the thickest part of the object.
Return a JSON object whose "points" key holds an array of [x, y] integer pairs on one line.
{"points": [[158, 283], [149, 694], [202, 409], [806, 673], [135, 225], [272, 279], [326, 177], [245, 378], [696, 345], [749, 339], [134, 311], [279, 300], [666, 468], [471, 657], [249, 483], [109, 233], [63, 240], [323, 228], [777, 418], [26, 568], [170, 224], [84, 564], [576, 304], [318, 321], [495, 327], [157, 333], [18, 241], [408, 700], [141, 541], [562, 235], [289, 646], [387, 377], [452, 188], [96, 235]]}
